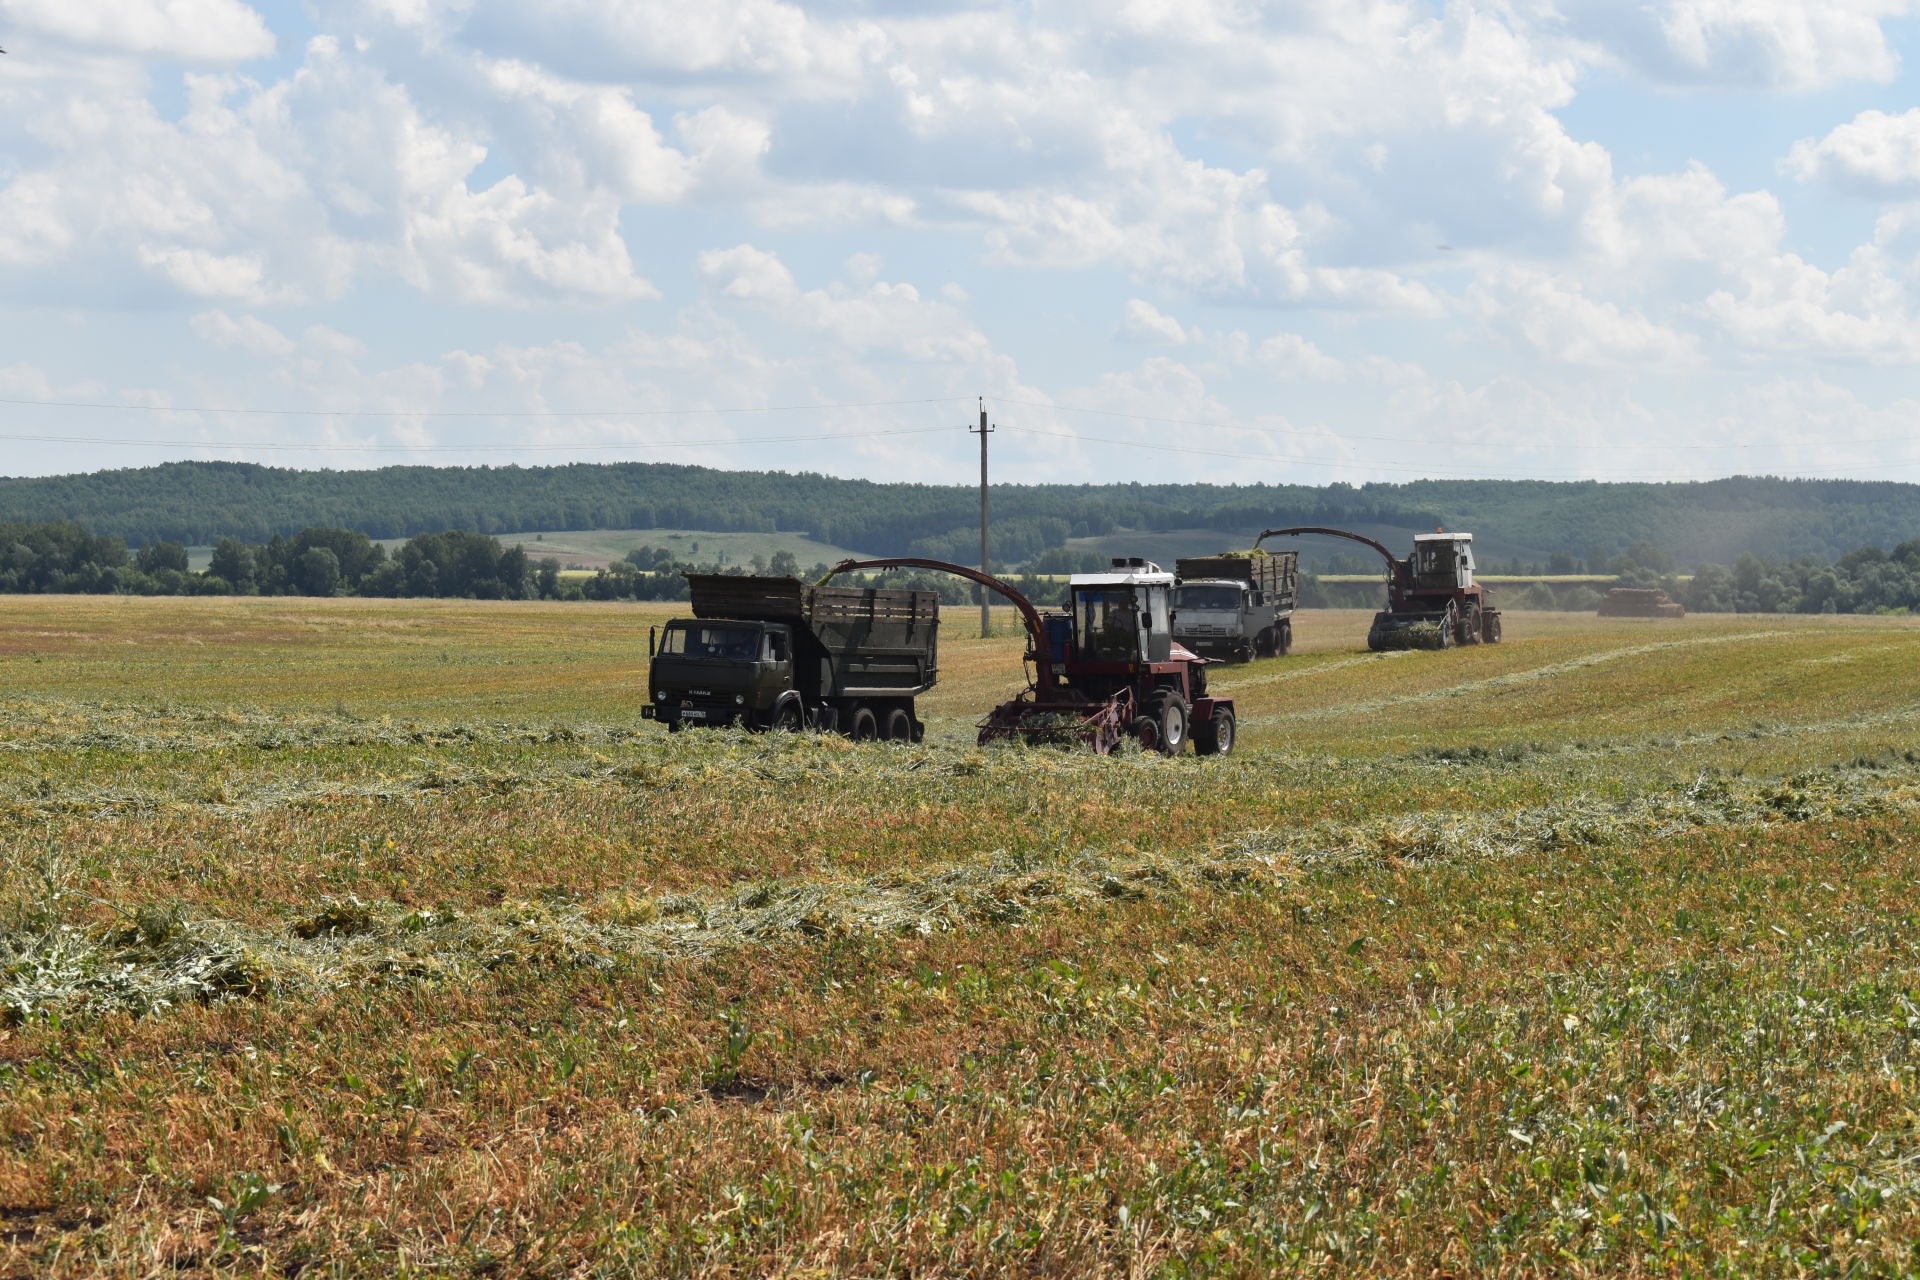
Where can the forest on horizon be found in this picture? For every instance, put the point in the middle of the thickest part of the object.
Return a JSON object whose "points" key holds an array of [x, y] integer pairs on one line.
{"points": [[198, 503]]}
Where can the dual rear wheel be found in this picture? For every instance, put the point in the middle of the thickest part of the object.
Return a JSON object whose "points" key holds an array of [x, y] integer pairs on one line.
{"points": [[888, 724]]}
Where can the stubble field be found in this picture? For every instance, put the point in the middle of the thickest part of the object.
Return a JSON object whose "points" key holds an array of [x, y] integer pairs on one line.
{"points": [[371, 938]]}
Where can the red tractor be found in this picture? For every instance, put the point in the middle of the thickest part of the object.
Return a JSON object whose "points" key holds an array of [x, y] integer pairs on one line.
{"points": [[1432, 600], [1106, 670]]}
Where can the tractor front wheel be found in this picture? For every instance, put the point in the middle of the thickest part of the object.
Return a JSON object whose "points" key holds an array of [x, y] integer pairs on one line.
{"points": [[1214, 735], [1492, 627], [1170, 717]]}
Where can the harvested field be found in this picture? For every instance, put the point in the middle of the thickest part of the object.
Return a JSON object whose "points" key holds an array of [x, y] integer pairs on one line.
{"points": [[374, 938]]}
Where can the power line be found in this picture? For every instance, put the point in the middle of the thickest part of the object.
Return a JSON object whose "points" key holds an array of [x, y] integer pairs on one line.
{"points": [[473, 413]]}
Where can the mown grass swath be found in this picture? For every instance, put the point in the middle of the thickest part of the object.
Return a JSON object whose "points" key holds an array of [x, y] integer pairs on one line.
{"points": [[382, 937]]}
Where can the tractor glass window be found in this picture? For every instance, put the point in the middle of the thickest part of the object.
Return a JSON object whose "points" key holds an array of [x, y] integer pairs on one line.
{"points": [[1434, 560], [1109, 625], [1210, 597], [737, 644]]}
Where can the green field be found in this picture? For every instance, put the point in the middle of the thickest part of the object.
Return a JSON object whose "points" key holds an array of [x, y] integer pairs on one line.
{"points": [[345, 937], [593, 547]]}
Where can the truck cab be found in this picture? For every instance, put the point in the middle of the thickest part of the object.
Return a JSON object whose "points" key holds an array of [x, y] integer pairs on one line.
{"points": [[1218, 618], [719, 671]]}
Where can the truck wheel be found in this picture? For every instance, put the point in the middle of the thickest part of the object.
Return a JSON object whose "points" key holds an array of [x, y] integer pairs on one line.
{"points": [[1263, 645], [675, 726], [899, 727], [787, 718], [1285, 646], [1214, 735], [1170, 717], [863, 727]]}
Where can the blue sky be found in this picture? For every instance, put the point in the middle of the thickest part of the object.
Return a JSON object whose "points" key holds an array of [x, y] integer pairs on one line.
{"points": [[1209, 239]]}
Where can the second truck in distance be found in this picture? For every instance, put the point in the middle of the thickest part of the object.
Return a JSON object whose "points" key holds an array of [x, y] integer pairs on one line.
{"points": [[1237, 606]]}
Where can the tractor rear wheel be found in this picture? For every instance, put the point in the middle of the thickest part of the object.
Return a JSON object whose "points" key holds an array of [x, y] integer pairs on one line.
{"points": [[863, 727], [1170, 716], [1470, 625], [1214, 735], [899, 726]]}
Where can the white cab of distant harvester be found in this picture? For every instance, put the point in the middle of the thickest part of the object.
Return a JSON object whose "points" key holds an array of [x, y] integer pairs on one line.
{"points": [[1442, 561]]}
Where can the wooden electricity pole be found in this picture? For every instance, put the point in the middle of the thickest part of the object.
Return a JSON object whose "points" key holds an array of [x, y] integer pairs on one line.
{"points": [[983, 431]]}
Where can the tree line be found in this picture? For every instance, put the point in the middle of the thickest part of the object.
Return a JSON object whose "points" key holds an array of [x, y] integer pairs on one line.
{"points": [[64, 556], [197, 503]]}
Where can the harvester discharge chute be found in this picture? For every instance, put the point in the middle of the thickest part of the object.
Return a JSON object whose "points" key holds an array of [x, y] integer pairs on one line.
{"points": [[1106, 670], [1433, 601]]}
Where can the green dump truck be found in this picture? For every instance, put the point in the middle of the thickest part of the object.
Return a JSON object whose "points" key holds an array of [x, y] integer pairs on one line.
{"points": [[778, 653]]}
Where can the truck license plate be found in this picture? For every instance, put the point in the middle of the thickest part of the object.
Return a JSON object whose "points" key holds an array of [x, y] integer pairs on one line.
{"points": [[693, 715]]}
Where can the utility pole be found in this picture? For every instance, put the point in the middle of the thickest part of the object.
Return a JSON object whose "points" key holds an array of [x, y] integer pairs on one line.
{"points": [[983, 431]]}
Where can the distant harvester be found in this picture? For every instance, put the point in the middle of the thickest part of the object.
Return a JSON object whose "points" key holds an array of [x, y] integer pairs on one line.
{"points": [[1640, 602]]}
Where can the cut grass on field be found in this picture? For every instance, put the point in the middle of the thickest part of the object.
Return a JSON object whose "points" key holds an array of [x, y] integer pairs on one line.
{"points": [[381, 937]]}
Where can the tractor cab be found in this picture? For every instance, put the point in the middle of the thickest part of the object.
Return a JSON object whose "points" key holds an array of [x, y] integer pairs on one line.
{"points": [[1121, 618], [1441, 561]]}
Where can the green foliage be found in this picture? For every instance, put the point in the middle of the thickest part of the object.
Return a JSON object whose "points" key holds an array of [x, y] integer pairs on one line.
{"points": [[201, 502]]}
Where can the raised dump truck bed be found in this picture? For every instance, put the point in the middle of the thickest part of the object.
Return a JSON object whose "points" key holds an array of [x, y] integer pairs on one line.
{"points": [[781, 653]]}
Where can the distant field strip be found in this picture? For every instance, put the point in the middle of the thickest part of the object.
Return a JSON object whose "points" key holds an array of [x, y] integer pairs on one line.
{"points": [[1511, 679], [160, 956]]}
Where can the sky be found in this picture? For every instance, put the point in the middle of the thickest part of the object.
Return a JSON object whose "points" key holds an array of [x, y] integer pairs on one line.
{"points": [[1351, 240]]}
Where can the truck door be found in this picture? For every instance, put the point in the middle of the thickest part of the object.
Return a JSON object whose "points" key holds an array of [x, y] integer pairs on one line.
{"points": [[776, 664]]}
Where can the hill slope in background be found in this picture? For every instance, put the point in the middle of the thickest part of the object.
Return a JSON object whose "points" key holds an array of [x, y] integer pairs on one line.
{"points": [[198, 502]]}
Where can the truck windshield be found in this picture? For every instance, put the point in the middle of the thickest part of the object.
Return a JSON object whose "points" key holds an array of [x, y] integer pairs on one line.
{"points": [[1108, 623], [1206, 597], [701, 640]]}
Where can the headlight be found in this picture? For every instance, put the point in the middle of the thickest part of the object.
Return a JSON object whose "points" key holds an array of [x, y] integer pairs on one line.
{"points": [[660, 695], [739, 699]]}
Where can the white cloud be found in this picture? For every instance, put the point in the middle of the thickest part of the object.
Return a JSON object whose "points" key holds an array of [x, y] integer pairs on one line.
{"points": [[1290, 356], [746, 272], [246, 333], [1144, 322], [1554, 317], [1874, 153], [217, 31], [1791, 44]]}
